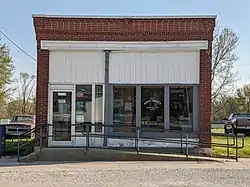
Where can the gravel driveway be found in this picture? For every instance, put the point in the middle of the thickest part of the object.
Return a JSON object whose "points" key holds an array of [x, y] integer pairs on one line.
{"points": [[126, 174]]}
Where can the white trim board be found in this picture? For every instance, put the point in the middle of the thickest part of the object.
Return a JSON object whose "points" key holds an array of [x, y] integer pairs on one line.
{"points": [[124, 46]]}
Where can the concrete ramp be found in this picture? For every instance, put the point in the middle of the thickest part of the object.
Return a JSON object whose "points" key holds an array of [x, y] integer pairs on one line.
{"points": [[81, 154]]}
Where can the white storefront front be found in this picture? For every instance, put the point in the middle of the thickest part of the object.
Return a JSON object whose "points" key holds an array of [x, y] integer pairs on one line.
{"points": [[81, 72]]}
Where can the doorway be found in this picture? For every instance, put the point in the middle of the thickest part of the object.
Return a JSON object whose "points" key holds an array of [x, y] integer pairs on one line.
{"points": [[61, 117]]}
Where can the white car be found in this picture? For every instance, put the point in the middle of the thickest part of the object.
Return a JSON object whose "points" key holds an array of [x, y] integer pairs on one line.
{"points": [[20, 124]]}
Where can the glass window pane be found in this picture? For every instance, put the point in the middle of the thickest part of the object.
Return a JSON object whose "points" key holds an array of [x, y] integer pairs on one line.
{"points": [[83, 106], [124, 108], [181, 108], [62, 116], [98, 108], [152, 108]]}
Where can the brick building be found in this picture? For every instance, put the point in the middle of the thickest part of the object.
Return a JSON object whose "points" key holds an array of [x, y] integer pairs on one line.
{"points": [[153, 72]]}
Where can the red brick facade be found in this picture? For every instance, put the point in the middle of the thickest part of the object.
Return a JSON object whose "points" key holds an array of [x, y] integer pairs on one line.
{"points": [[124, 29]]}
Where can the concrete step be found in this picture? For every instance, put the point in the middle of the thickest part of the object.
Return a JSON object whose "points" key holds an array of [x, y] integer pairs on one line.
{"points": [[81, 154]]}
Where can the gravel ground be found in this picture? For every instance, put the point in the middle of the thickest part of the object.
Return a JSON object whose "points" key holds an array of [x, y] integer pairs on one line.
{"points": [[127, 174]]}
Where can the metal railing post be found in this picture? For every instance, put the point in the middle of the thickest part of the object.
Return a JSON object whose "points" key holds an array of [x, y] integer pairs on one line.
{"points": [[181, 143], [237, 154], [18, 149], [41, 137], [137, 140], [227, 147], [87, 136], [187, 145], [243, 141]]}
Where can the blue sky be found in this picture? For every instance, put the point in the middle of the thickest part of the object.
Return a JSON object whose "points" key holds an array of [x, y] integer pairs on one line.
{"points": [[16, 21]]}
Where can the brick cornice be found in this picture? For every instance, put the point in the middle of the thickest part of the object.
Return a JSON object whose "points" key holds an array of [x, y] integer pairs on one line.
{"points": [[124, 25]]}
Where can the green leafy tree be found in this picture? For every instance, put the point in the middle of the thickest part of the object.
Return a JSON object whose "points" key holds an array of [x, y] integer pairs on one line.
{"points": [[25, 102], [3, 109], [6, 72], [243, 96], [238, 102], [225, 106], [15, 107]]}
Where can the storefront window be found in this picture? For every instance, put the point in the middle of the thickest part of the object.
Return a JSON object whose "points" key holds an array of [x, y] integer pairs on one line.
{"points": [[124, 108], [83, 110], [181, 108], [152, 108], [98, 108]]}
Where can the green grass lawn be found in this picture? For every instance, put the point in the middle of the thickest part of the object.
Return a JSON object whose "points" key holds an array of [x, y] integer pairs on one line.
{"points": [[11, 147], [221, 151]]}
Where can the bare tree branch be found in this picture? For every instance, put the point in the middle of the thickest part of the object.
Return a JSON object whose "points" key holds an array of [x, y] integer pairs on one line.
{"points": [[26, 88], [223, 61]]}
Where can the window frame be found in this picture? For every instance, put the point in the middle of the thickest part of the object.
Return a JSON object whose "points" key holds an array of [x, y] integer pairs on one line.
{"points": [[93, 109]]}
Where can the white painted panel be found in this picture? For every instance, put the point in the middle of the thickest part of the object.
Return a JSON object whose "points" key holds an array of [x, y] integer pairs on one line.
{"points": [[76, 67], [118, 46], [98, 142], [57, 66], [99, 109], [155, 67]]}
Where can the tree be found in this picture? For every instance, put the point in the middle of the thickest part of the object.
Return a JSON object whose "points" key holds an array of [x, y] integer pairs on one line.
{"points": [[223, 60], [26, 92], [6, 72], [25, 100], [15, 107], [238, 102], [225, 106], [3, 109], [243, 96]]}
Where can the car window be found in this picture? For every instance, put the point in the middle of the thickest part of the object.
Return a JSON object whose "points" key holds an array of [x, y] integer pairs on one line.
{"points": [[231, 116], [23, 118], [241, 116]]}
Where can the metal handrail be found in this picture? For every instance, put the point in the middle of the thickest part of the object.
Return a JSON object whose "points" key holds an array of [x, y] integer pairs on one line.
{"points": [[137, 137], [181, 132], [26, 143], [153, 130]]}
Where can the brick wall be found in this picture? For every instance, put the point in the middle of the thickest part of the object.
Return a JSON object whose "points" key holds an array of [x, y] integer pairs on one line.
{"points": [[125, 29]]}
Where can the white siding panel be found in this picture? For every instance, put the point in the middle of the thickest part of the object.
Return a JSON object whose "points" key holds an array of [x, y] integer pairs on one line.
{"points": [[154, 68], [76, 67], [57, 66], [69, 66], [138, 66]]}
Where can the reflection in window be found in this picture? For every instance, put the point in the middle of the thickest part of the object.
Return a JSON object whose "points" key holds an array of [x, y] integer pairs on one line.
{"points": [[152, 107], [124, 108], [98, 108], [83, 106], [181, 108]]}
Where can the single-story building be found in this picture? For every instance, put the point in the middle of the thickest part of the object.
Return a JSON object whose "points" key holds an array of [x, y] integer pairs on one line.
{"points": [[152, 72]]}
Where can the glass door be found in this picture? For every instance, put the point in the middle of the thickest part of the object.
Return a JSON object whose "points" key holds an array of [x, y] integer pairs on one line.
{"points": [[61, 115]]}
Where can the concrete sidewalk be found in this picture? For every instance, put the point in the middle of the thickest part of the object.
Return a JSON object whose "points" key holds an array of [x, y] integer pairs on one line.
{"points": [[94, 155], [209, 163]]}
